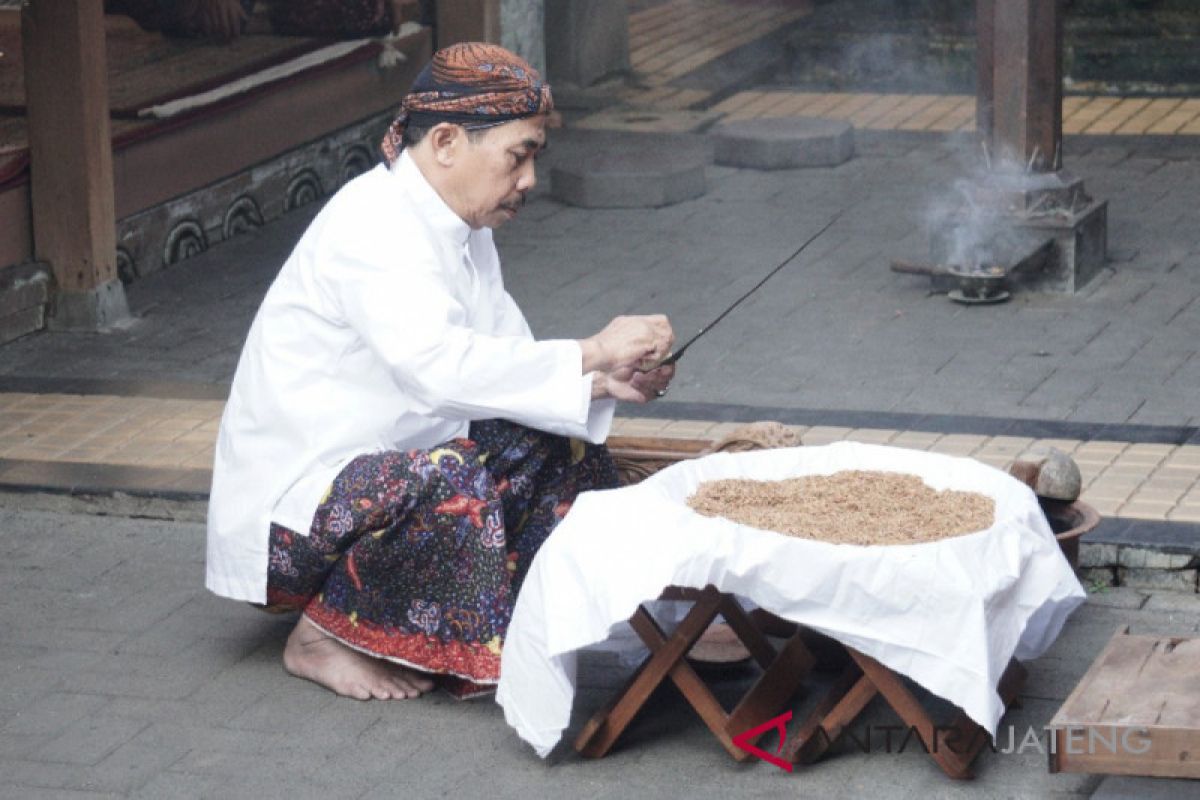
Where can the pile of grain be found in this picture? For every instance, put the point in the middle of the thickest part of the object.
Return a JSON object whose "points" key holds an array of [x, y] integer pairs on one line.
{"points": [[851, 507]]}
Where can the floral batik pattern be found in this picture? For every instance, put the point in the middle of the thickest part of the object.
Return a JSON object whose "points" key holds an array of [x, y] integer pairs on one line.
{"points": [[417, 556]]}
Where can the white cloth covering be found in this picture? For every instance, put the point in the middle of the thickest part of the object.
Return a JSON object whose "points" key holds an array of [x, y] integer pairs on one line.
{"points": [[948, 614], [388, 328]]}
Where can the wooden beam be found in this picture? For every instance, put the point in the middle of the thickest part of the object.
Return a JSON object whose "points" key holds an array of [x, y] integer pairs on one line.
{"points": [[468, 21], [1020, 81], [71, 177]]}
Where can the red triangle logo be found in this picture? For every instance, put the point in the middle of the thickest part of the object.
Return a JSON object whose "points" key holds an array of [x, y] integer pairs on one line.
{"points": [[745, 740]]}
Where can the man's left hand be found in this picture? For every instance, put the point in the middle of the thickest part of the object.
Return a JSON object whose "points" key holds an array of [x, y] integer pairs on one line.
{"points": [[638, 387]]}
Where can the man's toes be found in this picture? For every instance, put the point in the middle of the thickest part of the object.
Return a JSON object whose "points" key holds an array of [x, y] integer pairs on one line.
{"points": [[404, 689], [422, 685], [384, 690]]}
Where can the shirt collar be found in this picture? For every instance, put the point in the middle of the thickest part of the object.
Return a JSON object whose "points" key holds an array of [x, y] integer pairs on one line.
{"points": [[429, 203]]}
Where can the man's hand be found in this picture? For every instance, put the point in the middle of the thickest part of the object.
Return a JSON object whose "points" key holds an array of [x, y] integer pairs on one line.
{"points": [[628, 342], [632, 386]]}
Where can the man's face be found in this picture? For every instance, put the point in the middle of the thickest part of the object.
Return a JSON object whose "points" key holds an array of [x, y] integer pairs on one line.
{"points": [[496, 171]]}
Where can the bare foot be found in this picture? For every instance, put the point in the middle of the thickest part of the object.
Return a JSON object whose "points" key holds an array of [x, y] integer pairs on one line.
{"points": [[312, 654]]}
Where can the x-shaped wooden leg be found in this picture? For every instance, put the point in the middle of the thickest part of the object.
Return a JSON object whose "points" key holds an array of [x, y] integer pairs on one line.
{"points": [[783, 673], [952, 746]]}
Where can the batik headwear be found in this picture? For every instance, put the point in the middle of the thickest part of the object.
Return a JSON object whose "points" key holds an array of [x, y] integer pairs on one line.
{"points": [[474, 84]]}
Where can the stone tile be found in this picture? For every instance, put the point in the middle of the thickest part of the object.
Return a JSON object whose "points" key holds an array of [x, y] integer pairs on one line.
{"points": [[1144, 558], [871, 436], [1100, 448], [1174, 603], [1171, 480], [915, 440], [1117, 597], [1155, 494], [1097, 555], [1106, 507], [89, 741], [1146, 509], [825, 434], [1127, 787], [1182, 580], [1184, 513]]}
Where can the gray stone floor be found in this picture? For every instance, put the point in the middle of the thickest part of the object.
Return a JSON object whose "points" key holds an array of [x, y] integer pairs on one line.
{"points": [[834, 330], [121, 676]]}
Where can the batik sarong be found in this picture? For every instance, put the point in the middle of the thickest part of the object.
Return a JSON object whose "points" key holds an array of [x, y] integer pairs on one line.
{"points": [[417, 556]]}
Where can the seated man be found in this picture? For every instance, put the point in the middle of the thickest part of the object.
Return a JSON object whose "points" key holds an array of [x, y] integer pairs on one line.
{"points": [[397, 446]]}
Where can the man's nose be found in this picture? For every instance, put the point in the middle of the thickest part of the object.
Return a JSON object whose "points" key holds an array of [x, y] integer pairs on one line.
{"points": [[528, 178]]}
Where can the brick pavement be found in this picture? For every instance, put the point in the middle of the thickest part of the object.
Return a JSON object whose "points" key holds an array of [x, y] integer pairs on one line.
{"points": [[121, 677], [835, 330], [176, 437]]}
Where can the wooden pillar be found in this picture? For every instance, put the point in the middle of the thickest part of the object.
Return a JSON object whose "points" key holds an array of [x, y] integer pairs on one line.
{"points": [[70, 147], [468, 21], [1019, 95]]}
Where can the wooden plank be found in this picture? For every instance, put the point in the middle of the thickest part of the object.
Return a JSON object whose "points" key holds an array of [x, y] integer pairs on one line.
{"points": [[74, 220], [772, 690], [1135, 711], [836, 709]]}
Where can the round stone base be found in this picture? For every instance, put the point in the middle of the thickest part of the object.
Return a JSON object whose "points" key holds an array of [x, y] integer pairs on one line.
{"points": [[783, 142], [648, 175]]}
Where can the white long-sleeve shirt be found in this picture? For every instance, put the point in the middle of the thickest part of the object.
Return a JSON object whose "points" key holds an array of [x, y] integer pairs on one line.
{"points": [[387, 328]]}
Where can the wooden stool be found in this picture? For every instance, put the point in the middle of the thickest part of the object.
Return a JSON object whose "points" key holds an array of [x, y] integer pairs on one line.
{"points": [[783, 673], [952, 746]]}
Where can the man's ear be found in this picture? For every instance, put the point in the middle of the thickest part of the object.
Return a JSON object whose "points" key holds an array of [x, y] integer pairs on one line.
{"points": [[446, 138]]}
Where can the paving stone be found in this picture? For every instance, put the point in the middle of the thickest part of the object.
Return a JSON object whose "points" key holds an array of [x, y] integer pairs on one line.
{"points": [[1128, 787], [89, 740], [783, 143], [46, 717], [1097, 555], [1142, 558], [1180, 580], [646, 178], [1117, 597]]}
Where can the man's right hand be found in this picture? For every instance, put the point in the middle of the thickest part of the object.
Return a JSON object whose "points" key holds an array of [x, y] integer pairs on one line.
{"points": [[628, 342]]}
